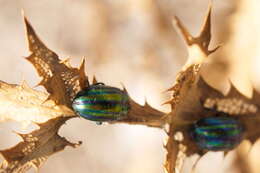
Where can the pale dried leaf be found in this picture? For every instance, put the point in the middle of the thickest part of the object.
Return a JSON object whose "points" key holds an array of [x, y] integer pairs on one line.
{"points": [[60, 80], [35, 148], [24, 104]]}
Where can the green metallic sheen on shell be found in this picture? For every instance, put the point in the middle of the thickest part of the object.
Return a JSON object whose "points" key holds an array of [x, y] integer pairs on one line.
{"points": [[101, 103], [220, 133]]}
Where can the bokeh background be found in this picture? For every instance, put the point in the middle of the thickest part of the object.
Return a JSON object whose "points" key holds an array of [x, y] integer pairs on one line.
{"points": [[131, 42]]}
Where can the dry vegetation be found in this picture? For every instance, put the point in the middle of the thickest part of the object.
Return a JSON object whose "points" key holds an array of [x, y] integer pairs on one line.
{"points": [[153, 46]]}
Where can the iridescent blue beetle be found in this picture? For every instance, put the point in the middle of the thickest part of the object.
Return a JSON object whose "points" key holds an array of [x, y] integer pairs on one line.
{"points": [[100, 103], [218, 133]]}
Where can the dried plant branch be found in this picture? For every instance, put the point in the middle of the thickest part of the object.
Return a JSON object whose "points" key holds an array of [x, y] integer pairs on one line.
{"points": [[192, 99], [144, 115], [187, 93], [62, 82]]}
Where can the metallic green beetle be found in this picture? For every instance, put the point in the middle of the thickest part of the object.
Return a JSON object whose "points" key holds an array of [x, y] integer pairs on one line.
{"points": [[220, 133], [101, 103]]}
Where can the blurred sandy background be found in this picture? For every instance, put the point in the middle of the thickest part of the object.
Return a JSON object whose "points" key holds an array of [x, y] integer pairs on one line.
{"points": [[133, 42]]}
